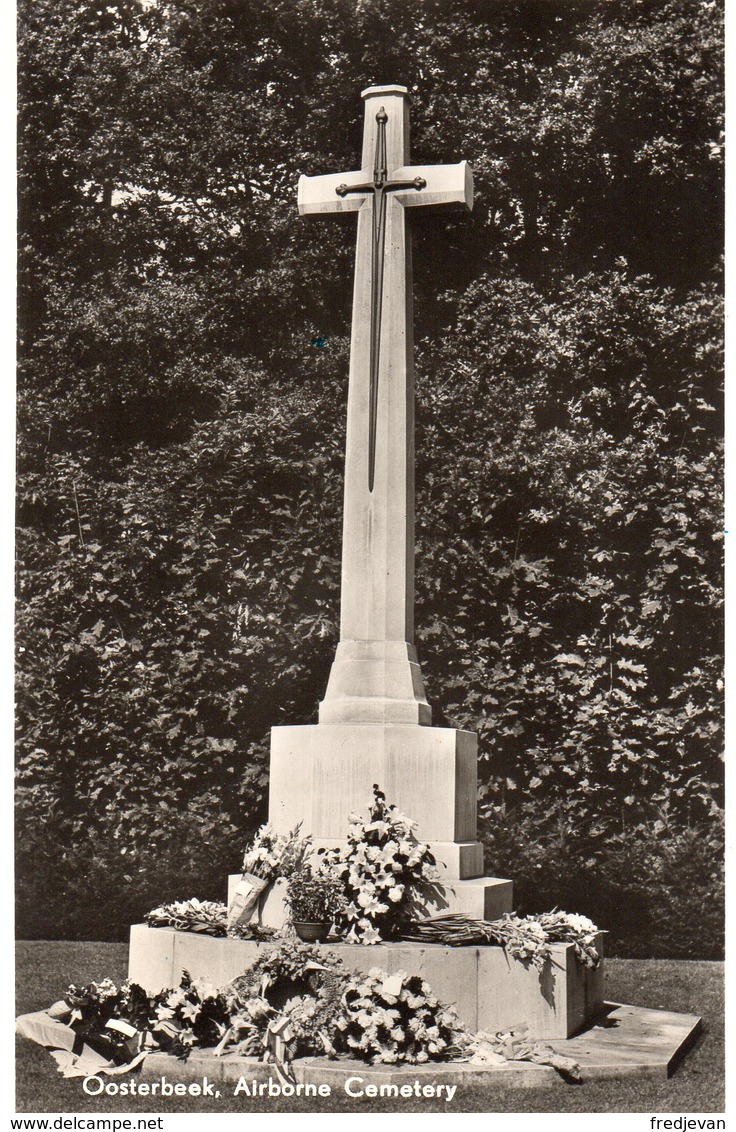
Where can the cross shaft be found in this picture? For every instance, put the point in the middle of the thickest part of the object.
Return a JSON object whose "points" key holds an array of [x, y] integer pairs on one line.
{"points": [[378, 187], [375, 676]]}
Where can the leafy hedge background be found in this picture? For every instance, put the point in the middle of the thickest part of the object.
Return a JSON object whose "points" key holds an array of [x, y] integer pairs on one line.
{"points": [[184, 344]]}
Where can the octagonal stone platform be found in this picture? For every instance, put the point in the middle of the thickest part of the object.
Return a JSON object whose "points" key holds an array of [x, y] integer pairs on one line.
{"points": [[622, 1041]]}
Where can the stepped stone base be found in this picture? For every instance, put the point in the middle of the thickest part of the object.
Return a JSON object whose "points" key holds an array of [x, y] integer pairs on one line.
{"points": [[482, 898], [320, 773], [490, 990], [622, 1041]]}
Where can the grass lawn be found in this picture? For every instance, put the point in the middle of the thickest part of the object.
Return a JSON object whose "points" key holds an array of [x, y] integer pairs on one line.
{"points": [[44, 971]]}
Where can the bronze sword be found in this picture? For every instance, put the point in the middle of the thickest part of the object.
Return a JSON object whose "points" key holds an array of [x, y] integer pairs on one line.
{"points": [[379, 187]]}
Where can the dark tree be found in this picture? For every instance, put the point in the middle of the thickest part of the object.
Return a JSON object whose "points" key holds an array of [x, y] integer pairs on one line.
{"points": [[184, 343]]}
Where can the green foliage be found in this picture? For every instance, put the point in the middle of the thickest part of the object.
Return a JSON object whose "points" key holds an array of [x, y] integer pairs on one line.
{"points": [[655, 886], [313, 899], [288, 968], [569, 580], [90, 885], [184, 352], [293, 990]]}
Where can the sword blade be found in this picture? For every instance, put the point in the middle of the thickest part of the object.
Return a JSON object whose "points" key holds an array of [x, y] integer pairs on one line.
{"points": [[379, 188], [379, 232]]}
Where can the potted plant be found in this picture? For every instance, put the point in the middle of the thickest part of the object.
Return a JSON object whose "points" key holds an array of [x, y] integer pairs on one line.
{"points": [[313, 902]]}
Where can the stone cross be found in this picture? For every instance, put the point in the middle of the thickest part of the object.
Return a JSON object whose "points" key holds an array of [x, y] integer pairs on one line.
{"points": [[373, 720], [375, 676]]}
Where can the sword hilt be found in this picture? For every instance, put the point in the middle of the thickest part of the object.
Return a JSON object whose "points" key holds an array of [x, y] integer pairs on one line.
{"points": [[417, 183]]}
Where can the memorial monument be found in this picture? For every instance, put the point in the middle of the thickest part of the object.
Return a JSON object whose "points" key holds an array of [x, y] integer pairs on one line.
{"points": [[374, 722]]}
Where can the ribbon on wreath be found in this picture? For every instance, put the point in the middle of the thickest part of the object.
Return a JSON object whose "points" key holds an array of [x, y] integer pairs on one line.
{"points": [[78, 1056], [277, 1039]]}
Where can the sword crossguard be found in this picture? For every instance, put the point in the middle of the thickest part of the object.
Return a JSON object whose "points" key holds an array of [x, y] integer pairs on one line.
{"points": [[343, 190], [418, 183]]}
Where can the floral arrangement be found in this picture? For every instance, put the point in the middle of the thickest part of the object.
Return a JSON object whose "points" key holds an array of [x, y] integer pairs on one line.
{"points": [[289, 969], [568, 927], [177, 1019], [312, 1022], [314, 898], [527, 938], [96, 1028], [272, 855], [393, 1018], [381, 870], [296, 1000], [287, 1003], [208, 917], [514, 1045], [94, 1006], [194, 1015]]}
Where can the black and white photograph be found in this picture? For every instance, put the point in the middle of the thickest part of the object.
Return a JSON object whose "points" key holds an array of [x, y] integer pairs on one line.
{"points": [[369, 536]]}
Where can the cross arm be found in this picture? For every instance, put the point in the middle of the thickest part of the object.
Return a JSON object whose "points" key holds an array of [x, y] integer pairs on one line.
{"points": [[449, 187], [318, 195]]}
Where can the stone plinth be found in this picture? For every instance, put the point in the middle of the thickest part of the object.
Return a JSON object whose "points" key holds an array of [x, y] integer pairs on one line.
{"points": [[320, 773], [487, 898], [491, 990]]}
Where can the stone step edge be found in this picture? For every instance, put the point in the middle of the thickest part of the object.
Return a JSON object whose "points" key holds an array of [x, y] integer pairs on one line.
{"points": [[642, 1043], [481, 898]]}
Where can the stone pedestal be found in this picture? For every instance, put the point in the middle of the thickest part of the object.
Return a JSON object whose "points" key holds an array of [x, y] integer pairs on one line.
{"points": [[491, 990], [486, 898], [320, 773]]}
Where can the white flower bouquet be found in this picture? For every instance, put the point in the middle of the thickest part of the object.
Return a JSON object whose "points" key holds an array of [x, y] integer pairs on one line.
{"points": [[527, 938], [272, 855], [381, 869], [396, 1018]]}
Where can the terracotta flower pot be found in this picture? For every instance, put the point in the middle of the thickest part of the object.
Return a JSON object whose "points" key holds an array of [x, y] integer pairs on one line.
{"points": [[311, 932]]}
